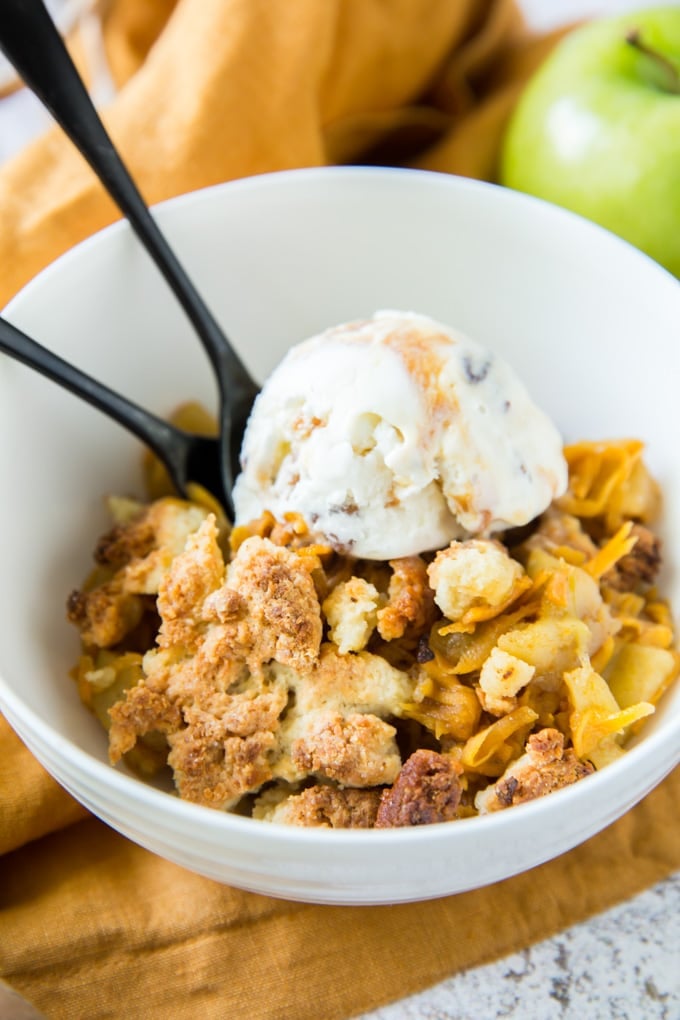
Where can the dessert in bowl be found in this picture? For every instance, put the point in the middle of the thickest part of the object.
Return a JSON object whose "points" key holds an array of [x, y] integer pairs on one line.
{"points": [[280, 258]]}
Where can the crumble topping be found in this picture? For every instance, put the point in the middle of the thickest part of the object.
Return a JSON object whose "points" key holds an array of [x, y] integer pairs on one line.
{"points": [[546, 766], [321, 806], [281, 678]]}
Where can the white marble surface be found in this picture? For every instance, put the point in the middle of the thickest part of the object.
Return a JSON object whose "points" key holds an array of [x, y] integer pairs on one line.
{"points": [[623, 964]]}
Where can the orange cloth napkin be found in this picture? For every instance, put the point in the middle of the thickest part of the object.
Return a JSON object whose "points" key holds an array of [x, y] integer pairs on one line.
{"points": [[90, 924]]}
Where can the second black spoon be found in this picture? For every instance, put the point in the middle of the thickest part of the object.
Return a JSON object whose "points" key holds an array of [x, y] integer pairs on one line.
{"points": [[31, 42], [186, 456]]}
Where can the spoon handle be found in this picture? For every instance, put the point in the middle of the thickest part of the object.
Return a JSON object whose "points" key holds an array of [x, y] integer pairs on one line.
{"points": [[31, 42], [159, 435]]}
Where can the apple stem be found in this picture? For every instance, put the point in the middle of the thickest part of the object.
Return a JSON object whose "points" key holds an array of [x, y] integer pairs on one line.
{"points": [[671, 73]]}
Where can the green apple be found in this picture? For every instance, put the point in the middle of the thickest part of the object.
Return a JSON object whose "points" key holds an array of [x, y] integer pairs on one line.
{"points": [[597, 129]]}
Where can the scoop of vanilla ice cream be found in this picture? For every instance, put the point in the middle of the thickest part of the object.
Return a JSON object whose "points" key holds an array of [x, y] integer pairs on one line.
{"points": [[393, 435]]}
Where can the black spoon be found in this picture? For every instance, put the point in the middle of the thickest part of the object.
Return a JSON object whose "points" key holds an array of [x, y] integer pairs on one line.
{"points": [[31, 42], [188, 457]]}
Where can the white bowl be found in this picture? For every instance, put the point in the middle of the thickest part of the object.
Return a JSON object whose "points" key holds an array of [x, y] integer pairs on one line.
{"points": [[587, 321]]}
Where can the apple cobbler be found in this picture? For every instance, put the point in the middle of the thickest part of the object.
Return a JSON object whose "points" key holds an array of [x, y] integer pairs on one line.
{"points": [[282, 679]]}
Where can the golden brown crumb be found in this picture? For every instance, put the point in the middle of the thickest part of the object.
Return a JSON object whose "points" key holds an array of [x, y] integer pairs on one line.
{"points": [[557, 529], [251, 707], [215, 769], [323, 730], [354, 750], [325, 806], [125, 542], [351, 611], [410, 600], [142, 711], [221, 739], [134, 557], [427, 790], [544, 767], [349, 683], [475, 574], [501, 678], [104, 615], [242, 696], [640, 566], [210, 672], [280, 616], [193, 575]]}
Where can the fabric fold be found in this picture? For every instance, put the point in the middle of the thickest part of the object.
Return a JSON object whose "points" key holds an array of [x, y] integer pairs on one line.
{"points": [[32, 804]]}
